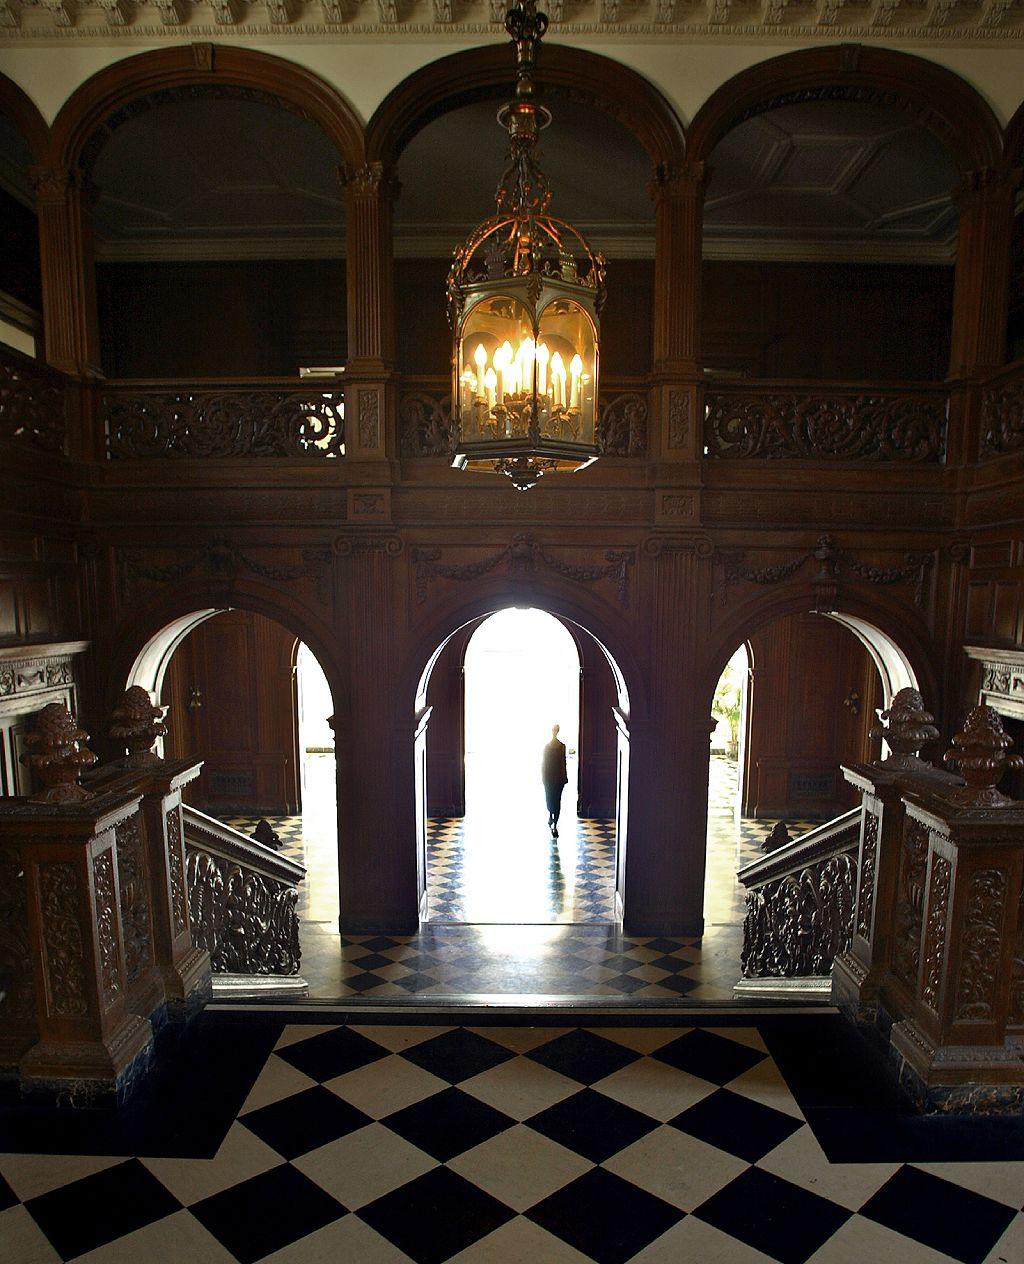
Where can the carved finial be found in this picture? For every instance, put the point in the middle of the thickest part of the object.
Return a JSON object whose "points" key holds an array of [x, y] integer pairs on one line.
{"points": [[137, 724], [909, 728], [979, 754], [57, 755], [778, 836]]}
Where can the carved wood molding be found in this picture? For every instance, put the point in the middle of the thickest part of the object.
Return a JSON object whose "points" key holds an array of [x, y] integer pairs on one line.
{"points": [[229, 423], [984, 916], [223, 559], [524, 556], [825, 426], [622, 425], [833, 561], [1002, 417], [17, 988], [33, 404], [425, 424]]}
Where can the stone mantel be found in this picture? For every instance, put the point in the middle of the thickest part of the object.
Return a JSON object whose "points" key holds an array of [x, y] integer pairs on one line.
{"points": [[1002, 680]]}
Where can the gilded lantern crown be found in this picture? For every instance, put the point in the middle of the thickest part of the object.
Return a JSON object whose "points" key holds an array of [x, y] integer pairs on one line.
{"points": [[525, 293]]}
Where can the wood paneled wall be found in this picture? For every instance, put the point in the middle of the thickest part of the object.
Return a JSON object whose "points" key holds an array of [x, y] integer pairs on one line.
{"points": [[800, 727], [237, 670]]}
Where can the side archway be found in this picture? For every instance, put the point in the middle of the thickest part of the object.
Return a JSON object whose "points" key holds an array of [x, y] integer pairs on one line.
{"points": [[944, 103], [478, 74], [16, 105]]}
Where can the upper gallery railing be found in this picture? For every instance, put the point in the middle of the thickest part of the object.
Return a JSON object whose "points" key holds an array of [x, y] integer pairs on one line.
{"points": [[1002, 412], [34, 402], [821, 421], [271, 417]]}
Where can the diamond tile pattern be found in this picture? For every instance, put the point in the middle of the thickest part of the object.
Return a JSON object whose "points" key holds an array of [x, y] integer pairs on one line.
{"points": [[620, 1143]]}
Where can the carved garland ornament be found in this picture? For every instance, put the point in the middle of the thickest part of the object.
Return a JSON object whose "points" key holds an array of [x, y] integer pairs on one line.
{"points": [[63, 948], [935, 931], [223, 559], [866, 885], [522, 557], [982, 945], [207, 424], [176, 867], [136, 927], [106, 927], [874, 427]]}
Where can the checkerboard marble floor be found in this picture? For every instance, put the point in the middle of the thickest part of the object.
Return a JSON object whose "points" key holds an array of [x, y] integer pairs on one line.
{"points": [[431, 1142], [512, 913]]}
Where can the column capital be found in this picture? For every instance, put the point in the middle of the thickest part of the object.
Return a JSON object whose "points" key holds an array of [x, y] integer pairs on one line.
{"points": [[986, 184], [672, 180], [369, 180]]}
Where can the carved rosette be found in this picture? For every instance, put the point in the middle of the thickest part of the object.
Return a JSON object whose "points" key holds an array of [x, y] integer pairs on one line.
{"points": [[906, 957], [866, 884], [17, 991], [106, 927], [176, 867], [247, 922], [63, 947], [984, 915], [136, 926], [935, 930], [796, 926]]}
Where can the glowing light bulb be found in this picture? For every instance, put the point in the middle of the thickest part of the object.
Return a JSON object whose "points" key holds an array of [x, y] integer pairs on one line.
{"points": [[543, 355], [558, 380], [480, 356], [575, 373]]}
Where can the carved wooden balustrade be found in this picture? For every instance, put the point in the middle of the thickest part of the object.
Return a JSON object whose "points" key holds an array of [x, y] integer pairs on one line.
{"points": [[425, 416], [243, 898], [1002, 412], [800, 901], [833, 421], [35, 402], [272, 417]]}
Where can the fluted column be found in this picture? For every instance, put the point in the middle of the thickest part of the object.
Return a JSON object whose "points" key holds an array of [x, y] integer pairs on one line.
{"points": [[369, 390], [70, 324], [982, 289], [679, 201]]}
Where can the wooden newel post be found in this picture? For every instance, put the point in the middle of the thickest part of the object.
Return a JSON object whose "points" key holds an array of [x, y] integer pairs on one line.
{"points": [[906, 727]]}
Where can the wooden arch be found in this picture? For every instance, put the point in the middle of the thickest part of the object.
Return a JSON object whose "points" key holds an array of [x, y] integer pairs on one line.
{"points": [[478, 74], [1014, 148], [943, 102], [89, 110], [19, 107]]}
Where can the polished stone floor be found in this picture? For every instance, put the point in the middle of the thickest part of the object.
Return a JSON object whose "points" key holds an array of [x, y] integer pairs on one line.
{"points": [[539, 915], [720, 1140]]}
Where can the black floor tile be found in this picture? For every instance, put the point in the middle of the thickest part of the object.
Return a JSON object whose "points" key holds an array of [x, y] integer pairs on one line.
{"points": [[8, 1198], [773, 1216], [304, 1121], [605, 1217], [736, 1124], [332, 1053], [583, 1056], [679, 983], [266, 1213], [709, 1056], [457, 1055], [436, 1216], [943, 1216], [592, 1124], [372, 961], [97, 1209], [448, 1123]]}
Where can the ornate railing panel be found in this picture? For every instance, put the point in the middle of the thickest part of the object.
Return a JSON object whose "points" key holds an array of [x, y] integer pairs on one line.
{"points": [[33, 403], [265, 419], [1002, 413], [800, 903], [242, 900], [425, 417], [768, 421]]}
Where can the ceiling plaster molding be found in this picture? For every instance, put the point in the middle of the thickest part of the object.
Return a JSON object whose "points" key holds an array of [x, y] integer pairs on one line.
{"points": [[621, 245], [936, 22]]}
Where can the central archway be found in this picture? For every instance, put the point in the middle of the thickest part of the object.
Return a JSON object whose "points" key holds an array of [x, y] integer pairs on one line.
{"points": [[504, 827]]}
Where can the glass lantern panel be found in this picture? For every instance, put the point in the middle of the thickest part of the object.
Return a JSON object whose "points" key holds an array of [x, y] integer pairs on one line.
{"points": [[566, 372], [494, 374]]}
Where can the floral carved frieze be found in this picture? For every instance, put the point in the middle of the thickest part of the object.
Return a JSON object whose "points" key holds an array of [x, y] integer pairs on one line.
{"points": [[935, 931], [824, 427], [246, 921], [622, 427], [33, 405], [866, 885], [913, 866], [1002, 419], [982, 945], [523, 557], [26, 675], [256, 423], [106, 927], [223, 559], [176, 871], [63, 946], [833, 562], [136, 925], [796, 925]]}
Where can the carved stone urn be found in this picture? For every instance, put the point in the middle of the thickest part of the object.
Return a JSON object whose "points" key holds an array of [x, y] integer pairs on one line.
{"points": [[137, 723], [57, 754], [906, 726], [979, 754]]}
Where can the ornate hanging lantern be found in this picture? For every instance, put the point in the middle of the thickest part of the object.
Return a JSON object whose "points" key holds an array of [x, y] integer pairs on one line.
{"points": [[525, 293]]}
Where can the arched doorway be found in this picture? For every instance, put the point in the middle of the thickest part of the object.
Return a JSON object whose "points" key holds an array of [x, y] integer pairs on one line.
{"points": [[249, 698], [487, 704]]}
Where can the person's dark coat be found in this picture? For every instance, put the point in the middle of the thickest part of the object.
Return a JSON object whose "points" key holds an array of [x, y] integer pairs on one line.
{"points": [[552, 770]]}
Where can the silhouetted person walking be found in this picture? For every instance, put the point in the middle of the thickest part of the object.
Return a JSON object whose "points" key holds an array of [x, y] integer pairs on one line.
{"points": [[554, 776]]}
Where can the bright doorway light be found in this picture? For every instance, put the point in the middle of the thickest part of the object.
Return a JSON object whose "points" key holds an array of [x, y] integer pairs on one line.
{"points": [[522, 675]]}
